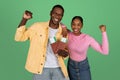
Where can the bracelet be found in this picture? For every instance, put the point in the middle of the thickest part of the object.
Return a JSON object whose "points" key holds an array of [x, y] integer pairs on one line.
{"points": [[52, 40], [64, 39]]}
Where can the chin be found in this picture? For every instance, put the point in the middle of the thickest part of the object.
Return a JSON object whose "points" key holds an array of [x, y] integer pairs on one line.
{"points": [[76, 33], [56, 23]]}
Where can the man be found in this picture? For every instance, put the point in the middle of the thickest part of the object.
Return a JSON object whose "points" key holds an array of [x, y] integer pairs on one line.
{"points": [[41, 60]]}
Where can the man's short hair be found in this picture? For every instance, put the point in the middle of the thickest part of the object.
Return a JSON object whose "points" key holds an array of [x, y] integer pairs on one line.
{"points": [[58, 6]]}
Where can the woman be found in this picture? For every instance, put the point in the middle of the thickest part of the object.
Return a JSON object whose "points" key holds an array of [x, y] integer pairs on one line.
{"points": [[78, 44]]}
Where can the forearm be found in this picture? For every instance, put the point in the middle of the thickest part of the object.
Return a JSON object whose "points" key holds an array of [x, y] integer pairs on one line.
{"points": [[22, 33], [105, 44], [23, 22], [102, 48]]}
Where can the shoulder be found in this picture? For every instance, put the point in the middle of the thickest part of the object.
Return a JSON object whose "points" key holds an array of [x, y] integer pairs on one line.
{"points": [[40, 24], [37, 25], [87, 36]]}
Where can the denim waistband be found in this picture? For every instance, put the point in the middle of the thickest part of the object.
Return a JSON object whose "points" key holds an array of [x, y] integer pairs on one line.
{"points": [[76, 62]]}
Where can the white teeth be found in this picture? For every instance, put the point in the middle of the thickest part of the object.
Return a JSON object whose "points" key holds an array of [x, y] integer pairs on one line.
{"points": [[75, 30], [56, 19]]}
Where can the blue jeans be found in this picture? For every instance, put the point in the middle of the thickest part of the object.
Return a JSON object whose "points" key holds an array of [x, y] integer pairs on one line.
{"points": [[50, 74], [79, 70]]}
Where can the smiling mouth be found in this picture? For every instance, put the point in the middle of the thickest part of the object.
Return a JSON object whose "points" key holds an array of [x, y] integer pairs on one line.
{"points": [[75, 30], [56, 19]]}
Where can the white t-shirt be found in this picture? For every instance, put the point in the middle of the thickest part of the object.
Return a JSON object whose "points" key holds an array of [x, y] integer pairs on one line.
{"points": [[51, 59]]}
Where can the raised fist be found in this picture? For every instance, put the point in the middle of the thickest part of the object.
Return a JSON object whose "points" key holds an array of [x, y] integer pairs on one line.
{"points": [[102, 28], [27, 15]]}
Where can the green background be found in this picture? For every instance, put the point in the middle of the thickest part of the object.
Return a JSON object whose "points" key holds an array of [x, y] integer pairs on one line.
{"points": [[95, 12]]}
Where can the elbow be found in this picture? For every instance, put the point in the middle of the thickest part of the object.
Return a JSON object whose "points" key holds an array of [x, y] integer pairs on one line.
{"points": [[105, 52], [17, 38]]}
